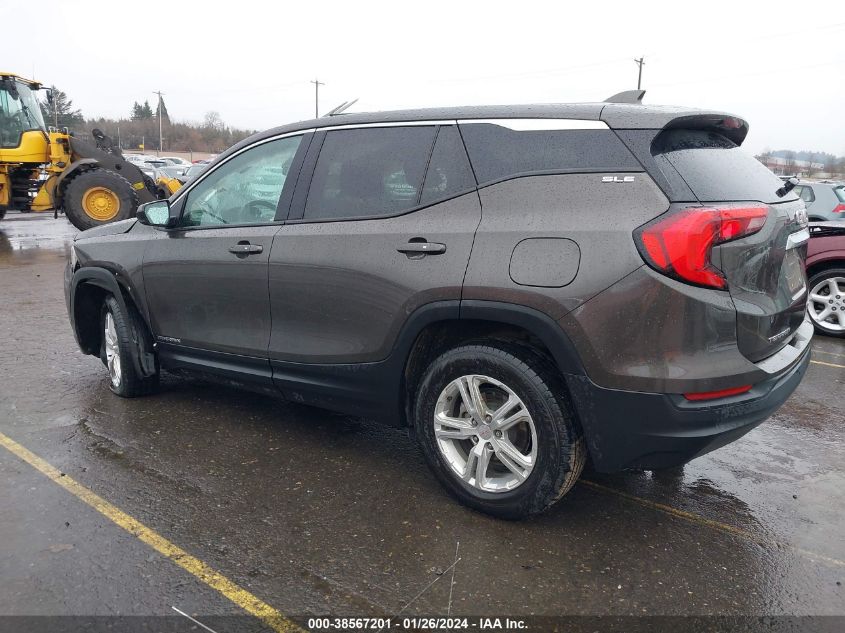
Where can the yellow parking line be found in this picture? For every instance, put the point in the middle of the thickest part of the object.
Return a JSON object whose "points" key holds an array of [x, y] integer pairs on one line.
{"points": [[818, 362], [214, 579], [716, 525], [821, 351]]}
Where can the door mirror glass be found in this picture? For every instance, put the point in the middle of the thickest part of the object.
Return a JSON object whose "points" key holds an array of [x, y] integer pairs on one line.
{"points": [[156, 213]]}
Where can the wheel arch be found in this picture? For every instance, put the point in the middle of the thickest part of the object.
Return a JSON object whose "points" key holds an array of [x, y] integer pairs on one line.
{"points": [[816, 266], [88, 288], [476, 320]]}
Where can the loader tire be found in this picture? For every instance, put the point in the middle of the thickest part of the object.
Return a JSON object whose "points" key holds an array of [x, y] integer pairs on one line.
{"points": [[98, 197]]}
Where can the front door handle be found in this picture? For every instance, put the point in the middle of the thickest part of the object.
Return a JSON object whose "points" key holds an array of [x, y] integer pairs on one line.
{"points": [[245, 248], [420, 249]]}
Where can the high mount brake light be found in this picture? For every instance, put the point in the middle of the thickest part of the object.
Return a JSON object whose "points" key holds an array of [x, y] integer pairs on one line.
{"points": [[679, 243]]}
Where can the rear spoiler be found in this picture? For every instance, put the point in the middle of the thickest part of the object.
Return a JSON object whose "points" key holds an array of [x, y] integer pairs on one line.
{"points": [[636, 116]]}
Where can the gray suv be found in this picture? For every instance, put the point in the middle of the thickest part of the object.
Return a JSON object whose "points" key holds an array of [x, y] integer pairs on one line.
{"points": [[523, 288]]}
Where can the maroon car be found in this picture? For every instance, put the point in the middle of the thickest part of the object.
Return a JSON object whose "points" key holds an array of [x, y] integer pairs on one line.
{"points": [[826, 275]]}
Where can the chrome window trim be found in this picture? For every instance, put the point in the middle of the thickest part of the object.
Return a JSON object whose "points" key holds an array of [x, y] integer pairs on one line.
{"points": [[520, 124], [528, 124], [186, 190], [352, 126], [514, 123]]}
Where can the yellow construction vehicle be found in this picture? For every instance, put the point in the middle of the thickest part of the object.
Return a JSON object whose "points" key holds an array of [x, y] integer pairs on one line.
{"points": [[45, 169]]}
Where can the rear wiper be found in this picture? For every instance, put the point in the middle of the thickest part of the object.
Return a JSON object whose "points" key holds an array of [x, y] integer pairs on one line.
{"points": [[827, 228], [788, 186]]}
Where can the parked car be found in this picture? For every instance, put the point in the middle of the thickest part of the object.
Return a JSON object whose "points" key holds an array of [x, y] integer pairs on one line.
{"points": [[176, 160], [592, 309], [825, 201], [826, 271], [193, 171]]}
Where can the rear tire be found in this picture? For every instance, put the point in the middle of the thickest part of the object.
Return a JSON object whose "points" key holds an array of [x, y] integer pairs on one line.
{"points": [[827, 304], [121, 333], [98, 197], [549, 443]]}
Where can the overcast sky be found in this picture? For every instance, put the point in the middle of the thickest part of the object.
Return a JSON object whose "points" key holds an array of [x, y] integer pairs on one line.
{"points": [[780, 65]]}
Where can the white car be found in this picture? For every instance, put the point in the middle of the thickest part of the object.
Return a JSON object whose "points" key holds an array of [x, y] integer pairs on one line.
{"points": [[176, 160]]}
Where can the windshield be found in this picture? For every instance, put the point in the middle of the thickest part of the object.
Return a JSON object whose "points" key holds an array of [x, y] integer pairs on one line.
{"points": [[19, 113]]}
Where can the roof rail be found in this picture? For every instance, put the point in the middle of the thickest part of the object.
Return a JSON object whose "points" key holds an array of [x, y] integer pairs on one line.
{"points": [[341, 108], [627, 96]]}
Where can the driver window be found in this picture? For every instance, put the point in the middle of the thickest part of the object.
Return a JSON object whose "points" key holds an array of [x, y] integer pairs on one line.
{"points": [[245, 189]]}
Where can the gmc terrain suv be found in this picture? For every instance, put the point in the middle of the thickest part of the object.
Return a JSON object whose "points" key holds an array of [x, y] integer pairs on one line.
{"points": [[522, 287]]}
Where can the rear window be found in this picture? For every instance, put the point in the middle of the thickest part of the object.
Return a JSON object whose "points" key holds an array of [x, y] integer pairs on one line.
{"points": [[840, 193], [715, 168], [498, 152]]}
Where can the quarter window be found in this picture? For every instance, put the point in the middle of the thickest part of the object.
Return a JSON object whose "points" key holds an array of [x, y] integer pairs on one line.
{"points": [[498, 151], [369, 172], [449, 172], [244, 190]]}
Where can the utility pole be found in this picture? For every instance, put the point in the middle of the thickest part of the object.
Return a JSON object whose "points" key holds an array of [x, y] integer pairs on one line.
{"points": [[159, 93], [118, 137], [640, 63], [317, 83]]}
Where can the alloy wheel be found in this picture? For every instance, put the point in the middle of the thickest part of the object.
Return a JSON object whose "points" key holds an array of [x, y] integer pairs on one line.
{"points": [[485, 433], [827, 304], [112, 351]]}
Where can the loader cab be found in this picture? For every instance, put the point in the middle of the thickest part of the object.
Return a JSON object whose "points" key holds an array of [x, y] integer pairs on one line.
{"points": [[19, 110]]}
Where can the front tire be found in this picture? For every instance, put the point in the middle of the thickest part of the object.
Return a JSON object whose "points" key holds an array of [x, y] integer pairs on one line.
{"points": [[496, 428], [98, 197], [826, 304], [121, 333]]}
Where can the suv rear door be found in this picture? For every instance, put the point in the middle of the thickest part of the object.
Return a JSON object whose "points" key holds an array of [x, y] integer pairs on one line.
{"points": [[383, 224], [765, 271]]}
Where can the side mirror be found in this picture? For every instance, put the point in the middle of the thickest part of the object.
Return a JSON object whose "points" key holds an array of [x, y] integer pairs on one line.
{"points": [[157, 213]]}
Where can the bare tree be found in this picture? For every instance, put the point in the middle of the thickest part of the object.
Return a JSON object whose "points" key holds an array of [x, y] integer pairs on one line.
{"points": [[212, 120]]}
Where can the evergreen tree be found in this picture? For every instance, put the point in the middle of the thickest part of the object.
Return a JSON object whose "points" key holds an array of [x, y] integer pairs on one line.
{"points": [[164, 116], [61, 112]]}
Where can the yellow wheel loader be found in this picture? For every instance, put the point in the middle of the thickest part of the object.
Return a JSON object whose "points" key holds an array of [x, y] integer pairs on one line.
{"points": [[45, 169]]}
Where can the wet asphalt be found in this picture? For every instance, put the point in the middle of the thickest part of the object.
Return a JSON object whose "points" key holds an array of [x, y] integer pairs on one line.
{"points": [[320, 514]]}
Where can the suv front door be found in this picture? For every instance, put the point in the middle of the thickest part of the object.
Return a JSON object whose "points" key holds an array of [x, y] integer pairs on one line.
{"points": [[206, 279]]}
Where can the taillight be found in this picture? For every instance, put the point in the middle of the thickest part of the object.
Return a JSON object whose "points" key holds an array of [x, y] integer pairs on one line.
{"points": [[679, 243], [839, 208]]}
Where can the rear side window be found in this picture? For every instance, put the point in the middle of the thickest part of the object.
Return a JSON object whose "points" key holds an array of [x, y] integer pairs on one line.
{"points": [[449, 172], [498, 151], [805, 193], [369, 172], [715, 168]]}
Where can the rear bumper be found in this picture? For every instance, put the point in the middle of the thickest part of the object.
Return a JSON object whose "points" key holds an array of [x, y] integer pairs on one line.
{"points": [[633, 430]]}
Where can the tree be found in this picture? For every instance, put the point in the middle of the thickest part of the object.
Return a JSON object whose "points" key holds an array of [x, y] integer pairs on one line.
{"points": [[164, 116], [137, 111], [213, 120], [147, 110], [60, 112]]}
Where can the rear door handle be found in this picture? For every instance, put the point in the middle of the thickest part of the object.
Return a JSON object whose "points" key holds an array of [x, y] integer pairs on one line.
{"points": [[422, 248], [245, 248]]}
